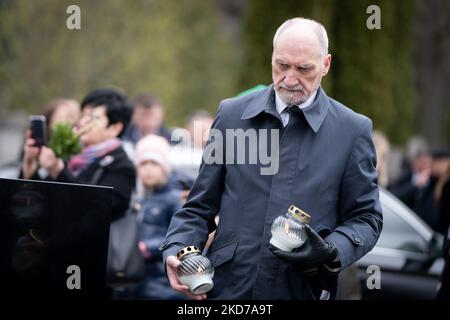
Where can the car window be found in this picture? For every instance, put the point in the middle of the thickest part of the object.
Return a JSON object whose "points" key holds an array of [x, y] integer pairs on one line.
{"points": [[397, 233]]}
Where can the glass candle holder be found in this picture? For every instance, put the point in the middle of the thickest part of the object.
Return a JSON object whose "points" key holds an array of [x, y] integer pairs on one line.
{"points": [[288, 230], [195, 271]]}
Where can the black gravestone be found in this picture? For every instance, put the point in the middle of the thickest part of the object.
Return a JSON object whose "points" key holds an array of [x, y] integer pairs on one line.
{"points": [[53, 240]]}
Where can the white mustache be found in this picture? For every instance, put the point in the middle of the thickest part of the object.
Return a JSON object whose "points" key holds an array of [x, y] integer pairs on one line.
{"points": [[296, 88]]}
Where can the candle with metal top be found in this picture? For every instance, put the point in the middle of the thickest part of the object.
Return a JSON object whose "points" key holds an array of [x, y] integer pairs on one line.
{"points": [[195, 271], [288, 230]]}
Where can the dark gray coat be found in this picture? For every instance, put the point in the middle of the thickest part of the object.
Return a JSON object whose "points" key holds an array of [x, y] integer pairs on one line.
{"points": [[326, 167]]}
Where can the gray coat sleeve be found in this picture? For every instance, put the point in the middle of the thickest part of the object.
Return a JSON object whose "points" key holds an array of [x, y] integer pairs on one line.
{"points": [[359, 205], [192, 224]]}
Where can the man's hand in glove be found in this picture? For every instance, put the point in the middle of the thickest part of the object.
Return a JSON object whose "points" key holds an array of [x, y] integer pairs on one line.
{"points": [[314, 253]]}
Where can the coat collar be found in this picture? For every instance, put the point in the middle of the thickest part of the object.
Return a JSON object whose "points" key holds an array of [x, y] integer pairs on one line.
{"points": [[264, 101]]}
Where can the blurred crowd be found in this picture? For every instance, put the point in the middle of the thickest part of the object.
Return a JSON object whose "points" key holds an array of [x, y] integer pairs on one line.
{"points": [[422, 182], [127, 145], [419, 179]]}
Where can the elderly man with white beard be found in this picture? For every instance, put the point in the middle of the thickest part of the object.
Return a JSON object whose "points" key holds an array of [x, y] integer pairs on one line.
{"points": [[327, 168]]}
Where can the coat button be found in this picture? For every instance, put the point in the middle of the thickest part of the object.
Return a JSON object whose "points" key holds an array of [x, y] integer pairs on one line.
{"points": [[357, 240]]}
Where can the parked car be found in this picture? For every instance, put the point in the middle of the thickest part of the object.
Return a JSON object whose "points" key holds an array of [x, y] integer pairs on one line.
{"points": [[408, 254]]}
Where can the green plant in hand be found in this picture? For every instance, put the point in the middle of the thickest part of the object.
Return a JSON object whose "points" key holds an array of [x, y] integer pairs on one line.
{"points": [[64, 142]]}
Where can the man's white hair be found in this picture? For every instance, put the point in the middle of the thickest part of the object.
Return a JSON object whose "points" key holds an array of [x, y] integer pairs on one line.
{"points": [[317, 28]]}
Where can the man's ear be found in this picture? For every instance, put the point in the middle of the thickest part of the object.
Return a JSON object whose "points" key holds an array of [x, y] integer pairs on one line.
{"points": [[326, 64], [116, 129]]}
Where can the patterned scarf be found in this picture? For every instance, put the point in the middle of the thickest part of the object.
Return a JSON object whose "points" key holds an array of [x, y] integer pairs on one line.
{"points": [[80, 162]]}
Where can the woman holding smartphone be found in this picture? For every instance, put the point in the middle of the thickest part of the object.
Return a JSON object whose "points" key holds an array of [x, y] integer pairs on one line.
{"points": [[103, 161]]}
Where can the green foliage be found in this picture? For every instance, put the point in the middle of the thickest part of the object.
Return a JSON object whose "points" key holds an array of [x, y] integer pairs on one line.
{"points": [[180, 51], [363, 63], [404, 93], [256, 88], [176, 50], [261, 20], [64, 142], [447, 129], [371, 70]]}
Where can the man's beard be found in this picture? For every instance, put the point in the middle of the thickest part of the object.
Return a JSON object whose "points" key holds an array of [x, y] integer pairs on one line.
{"points": [[296, 97]]}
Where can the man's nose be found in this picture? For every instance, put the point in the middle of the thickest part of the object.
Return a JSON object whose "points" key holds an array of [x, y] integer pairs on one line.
{"points": [[290, 80]]}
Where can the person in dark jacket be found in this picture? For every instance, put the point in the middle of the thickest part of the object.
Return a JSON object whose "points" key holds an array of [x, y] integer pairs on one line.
{"points": [[418, 190], [105, 115], [443, 198], [157, 202], [322, 160]]}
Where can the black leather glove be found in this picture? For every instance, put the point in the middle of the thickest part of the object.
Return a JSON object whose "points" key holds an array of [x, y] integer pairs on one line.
{"points": [[320, 281], [313, 254]]}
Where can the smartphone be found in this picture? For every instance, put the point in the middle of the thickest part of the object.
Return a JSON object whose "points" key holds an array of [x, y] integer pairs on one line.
{"points": [[38, 127]]}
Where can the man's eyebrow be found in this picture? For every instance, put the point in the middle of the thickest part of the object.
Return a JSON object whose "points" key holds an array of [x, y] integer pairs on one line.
{"points": [[278, 60], [306, 65]]}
